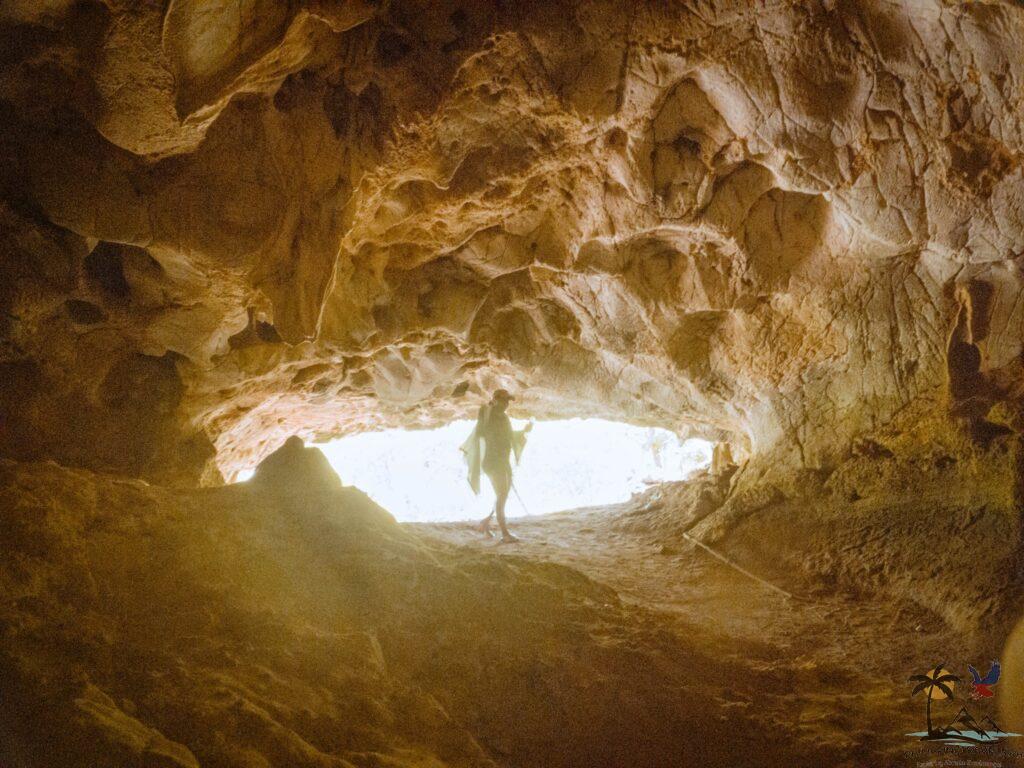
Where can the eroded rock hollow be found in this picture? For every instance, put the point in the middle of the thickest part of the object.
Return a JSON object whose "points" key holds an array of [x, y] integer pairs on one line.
{"points": [[792, 228]]}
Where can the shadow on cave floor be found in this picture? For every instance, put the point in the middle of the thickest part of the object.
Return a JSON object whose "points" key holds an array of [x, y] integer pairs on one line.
{"points": [[828, 667], [290, 621]]}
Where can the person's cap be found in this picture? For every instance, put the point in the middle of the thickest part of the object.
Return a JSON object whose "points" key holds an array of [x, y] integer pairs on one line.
{"points": [[502, 394]]}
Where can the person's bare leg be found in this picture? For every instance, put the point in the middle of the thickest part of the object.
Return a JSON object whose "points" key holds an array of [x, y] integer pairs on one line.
{"points": [[505, 487], [484, 526]]}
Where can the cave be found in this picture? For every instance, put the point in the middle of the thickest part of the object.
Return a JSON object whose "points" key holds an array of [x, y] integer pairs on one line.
{"points": [[234, 234], [421, 475]]}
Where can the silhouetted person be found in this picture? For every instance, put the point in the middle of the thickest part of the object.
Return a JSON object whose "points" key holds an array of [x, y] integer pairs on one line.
{"points": [[490, 448]]}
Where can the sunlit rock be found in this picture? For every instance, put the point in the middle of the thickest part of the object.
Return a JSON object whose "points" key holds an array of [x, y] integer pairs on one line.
{"points": [[295, 467], [674, 217], [792, 229]]}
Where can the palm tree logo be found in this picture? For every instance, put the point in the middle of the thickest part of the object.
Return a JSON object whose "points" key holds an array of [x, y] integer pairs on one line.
{"points": [[937, 684], [964, 729]]}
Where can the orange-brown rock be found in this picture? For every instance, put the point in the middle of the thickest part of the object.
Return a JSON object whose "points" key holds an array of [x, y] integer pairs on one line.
{"points": [[792, 228], [787, 226], [239, 627]]}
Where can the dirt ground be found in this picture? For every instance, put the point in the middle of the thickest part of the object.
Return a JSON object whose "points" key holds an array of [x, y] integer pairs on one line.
{"points": [[290, 621], [829, 668]]}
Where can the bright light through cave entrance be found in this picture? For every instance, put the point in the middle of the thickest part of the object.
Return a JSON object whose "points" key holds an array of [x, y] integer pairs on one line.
{"points": [[420, 475]]}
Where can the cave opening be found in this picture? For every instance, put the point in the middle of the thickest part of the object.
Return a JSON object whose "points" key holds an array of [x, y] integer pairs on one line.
{"points": [[246, 235], [419, 475]]}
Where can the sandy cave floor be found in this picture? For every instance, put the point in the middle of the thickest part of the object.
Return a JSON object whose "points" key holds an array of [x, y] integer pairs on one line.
{"points": [[831, 668], [293, 619]]}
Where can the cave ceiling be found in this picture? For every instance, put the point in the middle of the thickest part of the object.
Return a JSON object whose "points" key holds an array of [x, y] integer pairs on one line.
{"points": [[787, 226]]}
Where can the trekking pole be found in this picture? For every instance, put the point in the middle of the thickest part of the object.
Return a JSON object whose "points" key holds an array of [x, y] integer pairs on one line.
{"points": [[743, 570], [521, 502]]}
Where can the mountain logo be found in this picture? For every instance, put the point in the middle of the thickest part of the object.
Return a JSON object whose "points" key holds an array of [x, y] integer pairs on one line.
{"points": [[965, 729]]}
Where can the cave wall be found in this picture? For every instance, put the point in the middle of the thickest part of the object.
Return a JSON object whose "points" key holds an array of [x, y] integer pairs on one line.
{"points": [[791, 227]]}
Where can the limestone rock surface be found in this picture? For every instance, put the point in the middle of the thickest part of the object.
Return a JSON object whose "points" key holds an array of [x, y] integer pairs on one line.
{"points": [[787, 226], [239, 627], [794, 228]]}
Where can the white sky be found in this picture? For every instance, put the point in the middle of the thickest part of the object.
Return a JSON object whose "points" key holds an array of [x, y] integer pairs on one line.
{"points": [[420, 475]]}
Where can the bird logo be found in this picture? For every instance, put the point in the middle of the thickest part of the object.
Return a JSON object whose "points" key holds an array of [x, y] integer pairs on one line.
{"points": [[981, 687]]}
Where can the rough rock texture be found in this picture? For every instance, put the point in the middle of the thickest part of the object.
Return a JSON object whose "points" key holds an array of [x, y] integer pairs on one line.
{"points": [[289, 621], [784, 225], [792, 227], [296, 624]]}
